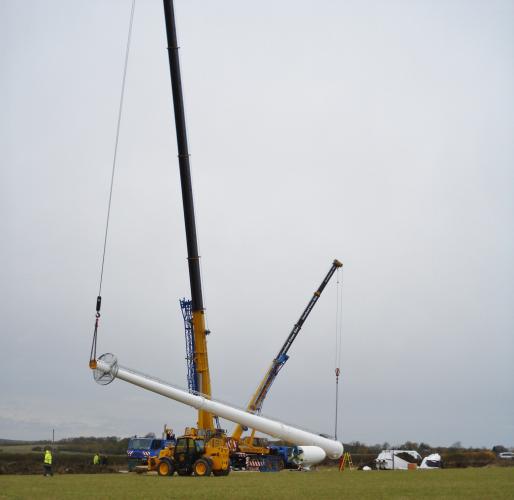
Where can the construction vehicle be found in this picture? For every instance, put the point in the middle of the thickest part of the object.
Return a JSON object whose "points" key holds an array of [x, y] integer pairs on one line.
{"points": [[141, 449], [193, 453], [202, 449], [205, 419], [251, 444]]}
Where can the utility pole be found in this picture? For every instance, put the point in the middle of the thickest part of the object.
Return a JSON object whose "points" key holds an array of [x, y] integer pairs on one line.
{"points": [[337, 400]]}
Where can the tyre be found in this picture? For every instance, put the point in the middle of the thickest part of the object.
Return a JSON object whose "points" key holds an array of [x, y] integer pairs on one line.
{"points": [[202, 467], [221, 472], [165, 467]]}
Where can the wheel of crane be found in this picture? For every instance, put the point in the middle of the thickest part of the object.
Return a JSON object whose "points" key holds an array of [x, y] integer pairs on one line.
{"points": [[165, 467], [221, 472], [202, 467]]}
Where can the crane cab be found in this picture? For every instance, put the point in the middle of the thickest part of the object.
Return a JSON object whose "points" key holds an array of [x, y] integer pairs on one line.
{"points": [[141, 450]]}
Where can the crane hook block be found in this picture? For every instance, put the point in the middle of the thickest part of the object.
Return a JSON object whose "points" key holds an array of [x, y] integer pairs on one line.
{"points": [[98, 303]]}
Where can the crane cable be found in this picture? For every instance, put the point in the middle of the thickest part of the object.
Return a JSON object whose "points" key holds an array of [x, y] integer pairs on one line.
{"points": [[92, 357], [338, 342]]}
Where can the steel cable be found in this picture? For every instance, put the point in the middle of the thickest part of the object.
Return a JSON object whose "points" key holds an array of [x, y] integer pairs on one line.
{"points": [[92, 358], [120, 109]]}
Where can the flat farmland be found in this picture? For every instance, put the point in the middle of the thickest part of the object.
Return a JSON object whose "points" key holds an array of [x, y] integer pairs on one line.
{"points": [[484, 483]]}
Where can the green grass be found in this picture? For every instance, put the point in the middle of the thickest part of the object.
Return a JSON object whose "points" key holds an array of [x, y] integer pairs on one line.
{"points": [[487, 483]]}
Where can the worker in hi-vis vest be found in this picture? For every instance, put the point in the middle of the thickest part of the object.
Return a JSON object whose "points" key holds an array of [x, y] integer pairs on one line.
{"points": [[47, 463], [96, 459]]}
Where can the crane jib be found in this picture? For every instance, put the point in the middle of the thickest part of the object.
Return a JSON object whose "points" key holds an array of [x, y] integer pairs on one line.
{"points": [[298, 326], [257, 400]]}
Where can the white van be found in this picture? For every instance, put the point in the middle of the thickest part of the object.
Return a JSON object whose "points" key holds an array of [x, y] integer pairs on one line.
{"points": [[397, 459], [432, 462]]}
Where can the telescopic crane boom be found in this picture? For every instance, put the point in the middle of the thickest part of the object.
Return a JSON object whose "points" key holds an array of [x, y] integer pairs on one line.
{"points": [[255, 404], [205, 419]]}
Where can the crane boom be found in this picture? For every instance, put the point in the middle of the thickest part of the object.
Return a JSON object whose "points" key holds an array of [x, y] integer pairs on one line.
{"points": [[205, 419], [255, 404]]}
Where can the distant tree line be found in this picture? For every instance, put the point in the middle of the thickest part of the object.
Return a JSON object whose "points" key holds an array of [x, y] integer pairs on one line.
{"points": [[454, 455], [110, 445], [422, 448]]}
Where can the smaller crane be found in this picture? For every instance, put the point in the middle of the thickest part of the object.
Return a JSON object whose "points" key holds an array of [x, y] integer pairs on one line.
{"points": [[255, 405]]}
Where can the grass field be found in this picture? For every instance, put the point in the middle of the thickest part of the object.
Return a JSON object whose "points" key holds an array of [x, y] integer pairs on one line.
{"points": [[18, 448], [488, 483]]}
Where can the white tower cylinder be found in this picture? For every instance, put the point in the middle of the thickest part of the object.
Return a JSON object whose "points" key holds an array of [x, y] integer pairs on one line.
{"points": [[306, 456], [108, 369]]}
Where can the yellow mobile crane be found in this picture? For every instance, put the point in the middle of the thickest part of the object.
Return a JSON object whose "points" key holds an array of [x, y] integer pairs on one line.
{"points": [[251, 444], [203, 449]]}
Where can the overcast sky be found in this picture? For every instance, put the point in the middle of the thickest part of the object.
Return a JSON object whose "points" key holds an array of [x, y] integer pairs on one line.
{"points": [[379, 133]]}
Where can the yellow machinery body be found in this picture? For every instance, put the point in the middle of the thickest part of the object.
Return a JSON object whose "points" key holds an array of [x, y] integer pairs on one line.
{"points": [[253, 445], [205, 419], [196, 452]]}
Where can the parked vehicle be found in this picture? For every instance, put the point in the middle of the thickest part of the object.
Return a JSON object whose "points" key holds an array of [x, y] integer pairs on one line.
{"points": [[141, 449], [397, 459], [432, 462]]}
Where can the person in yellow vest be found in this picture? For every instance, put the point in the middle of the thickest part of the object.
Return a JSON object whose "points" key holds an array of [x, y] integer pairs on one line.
{"points": [[96, 459], [47, 463]]}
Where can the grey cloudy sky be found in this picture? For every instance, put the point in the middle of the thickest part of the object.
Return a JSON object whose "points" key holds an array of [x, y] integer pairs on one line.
{"points": [[379, 133]]}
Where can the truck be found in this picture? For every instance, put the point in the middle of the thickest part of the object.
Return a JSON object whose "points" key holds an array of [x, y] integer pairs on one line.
{"points": [[140, 449]]}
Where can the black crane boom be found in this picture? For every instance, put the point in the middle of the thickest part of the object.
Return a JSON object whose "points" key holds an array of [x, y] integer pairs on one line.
{"points": [[255, 404], [205, 419]]}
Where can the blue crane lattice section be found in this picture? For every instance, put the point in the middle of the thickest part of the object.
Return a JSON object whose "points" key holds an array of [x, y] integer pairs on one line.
{"points": [[192, 376]]}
